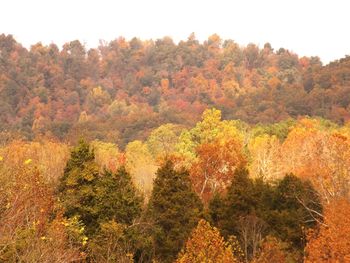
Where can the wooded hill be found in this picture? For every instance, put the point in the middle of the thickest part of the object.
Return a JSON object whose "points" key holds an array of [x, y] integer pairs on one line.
{"points": [[277, 193], [122, 89], [193, 152]]}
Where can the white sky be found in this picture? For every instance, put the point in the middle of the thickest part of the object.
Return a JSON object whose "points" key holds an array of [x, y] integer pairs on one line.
{"points": [[307, 27]]}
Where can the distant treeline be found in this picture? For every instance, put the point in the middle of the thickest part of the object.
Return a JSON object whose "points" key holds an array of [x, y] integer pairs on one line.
{"points": [[122, 90]]}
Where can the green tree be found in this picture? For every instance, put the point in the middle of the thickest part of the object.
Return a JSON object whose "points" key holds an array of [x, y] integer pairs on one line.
{"points": [[175, 209], [77, 186], [97, 198], [244, 211], [253, 209], [238, 202], [297, 207], [117, 198]]}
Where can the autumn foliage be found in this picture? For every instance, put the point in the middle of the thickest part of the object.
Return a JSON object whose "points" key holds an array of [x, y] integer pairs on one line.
{"points": [[254, 140], [206, 245], [215, 167], [331, 242], [123, 89]]}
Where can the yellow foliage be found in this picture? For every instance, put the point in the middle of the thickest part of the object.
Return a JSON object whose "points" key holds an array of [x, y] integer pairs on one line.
{"points": [[28, 161], [141, 165], [206, 245], [107, 155], [212, 128], [162, 141], [265, 152]]}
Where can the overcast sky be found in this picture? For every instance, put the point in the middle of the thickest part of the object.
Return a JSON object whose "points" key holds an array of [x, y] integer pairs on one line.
{"points": [[307, 27]]}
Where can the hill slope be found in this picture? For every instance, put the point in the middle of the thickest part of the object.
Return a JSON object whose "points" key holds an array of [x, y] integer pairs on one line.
{"points": [[123, 89]]}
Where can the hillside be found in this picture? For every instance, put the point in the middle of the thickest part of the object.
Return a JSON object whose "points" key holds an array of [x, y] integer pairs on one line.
{"points": [[122, 90], [151, 151]]}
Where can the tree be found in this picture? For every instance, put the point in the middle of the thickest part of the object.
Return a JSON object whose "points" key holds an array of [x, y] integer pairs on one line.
{"points": [[208, 129], [107, 155], [241, 212], [175, 209], [77, 186], [297, 208], [252, 57], [330, 242], [141, 166], [314, 151], [162, 140], [31, 226], [206, 245], [251, 230], [111, 244], [272, 250], [239, 201], [265, 155], [116, 198], [96, 198], [253, 209], [218, 147], [215, 166]]}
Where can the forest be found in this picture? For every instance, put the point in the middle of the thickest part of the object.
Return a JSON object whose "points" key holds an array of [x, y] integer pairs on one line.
{"points": [[122, 90], [152, 151]]}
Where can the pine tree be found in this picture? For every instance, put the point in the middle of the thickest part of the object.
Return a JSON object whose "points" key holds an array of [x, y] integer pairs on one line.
{"points": [[175, 209], [239, 201], [252, 209], [77, 186], [242, 211], [117, 197], [97, 198], [297, 207]]}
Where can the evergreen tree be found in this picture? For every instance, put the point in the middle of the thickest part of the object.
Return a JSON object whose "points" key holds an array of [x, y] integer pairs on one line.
{"points": [[297, 207], [97, 198], [175, 209], [243, 198], [117, 198], [244, 210], [253, 208], [77, 186]]}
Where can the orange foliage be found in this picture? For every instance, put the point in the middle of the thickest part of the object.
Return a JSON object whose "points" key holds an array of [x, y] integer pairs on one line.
{"points": [[320, 156], [49, 157], [274, 83], [206, 245], [272, 252], [29, 233], [331, 243], [215, 167]]}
